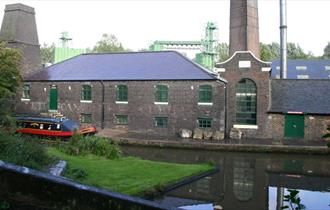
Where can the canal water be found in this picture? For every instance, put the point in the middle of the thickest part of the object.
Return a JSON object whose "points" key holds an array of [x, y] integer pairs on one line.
{"points": [[245, 180]]}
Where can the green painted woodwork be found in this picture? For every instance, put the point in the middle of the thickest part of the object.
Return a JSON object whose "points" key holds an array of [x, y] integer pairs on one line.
{"points": [[205, 94], [121, 93], [121, 119], [53, 98], [205, 122], [161, 94], [294, 126], [86, 93], [161, 122], [246, 102]]}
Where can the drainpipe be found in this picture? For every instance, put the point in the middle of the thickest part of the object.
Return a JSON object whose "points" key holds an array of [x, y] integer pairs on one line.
{"points": [[102, 105], [225, 102], [283, 39]]}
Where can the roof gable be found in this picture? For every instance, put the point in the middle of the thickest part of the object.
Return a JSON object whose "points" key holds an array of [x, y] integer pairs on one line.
{"points": [[164, 65]]}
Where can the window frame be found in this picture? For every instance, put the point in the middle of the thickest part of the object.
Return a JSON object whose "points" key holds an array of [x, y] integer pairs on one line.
{"points": [[26, 93], [161, 94], [163, 120], [86, 93], [205, 95], [119, 117], [83, 118], [200, 123], [246, 103], [121, 93]]}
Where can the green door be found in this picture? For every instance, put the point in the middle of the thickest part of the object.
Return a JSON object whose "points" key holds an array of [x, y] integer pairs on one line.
{"points": [[294, 126], [53, 98]]}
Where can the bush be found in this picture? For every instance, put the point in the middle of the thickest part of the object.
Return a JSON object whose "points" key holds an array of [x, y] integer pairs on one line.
{"points": [[22, 151], [80, 145]]}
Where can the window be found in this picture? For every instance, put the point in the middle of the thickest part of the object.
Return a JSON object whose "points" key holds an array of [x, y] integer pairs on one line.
{"points": [[161, 122], [161, 94], [301, 67], [246, 109], [121, 93], [86, 93], [85, 118], [302, 76], [26, 92], [205, 94], [205, 122], [121, 120]]}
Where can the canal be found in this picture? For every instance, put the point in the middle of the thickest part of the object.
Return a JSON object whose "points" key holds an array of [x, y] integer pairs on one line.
{"points": [[245, 180]]}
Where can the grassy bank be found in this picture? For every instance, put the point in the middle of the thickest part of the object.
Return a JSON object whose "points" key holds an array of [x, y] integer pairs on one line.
{"points": [[128, 175]]}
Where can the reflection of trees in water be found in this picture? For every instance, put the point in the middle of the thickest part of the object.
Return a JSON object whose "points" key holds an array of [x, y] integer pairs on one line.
{"points": [[243, 179]]}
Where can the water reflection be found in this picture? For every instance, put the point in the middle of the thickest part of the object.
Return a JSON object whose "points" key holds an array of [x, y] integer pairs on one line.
{"points": [[245, 181]]}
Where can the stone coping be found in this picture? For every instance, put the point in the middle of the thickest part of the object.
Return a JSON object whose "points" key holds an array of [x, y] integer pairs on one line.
{"points": [[235, 147], [115, 197]]}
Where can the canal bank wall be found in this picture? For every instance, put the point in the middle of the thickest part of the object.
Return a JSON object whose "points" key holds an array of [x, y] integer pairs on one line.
{"points": [[26, 188], [228, 147]]}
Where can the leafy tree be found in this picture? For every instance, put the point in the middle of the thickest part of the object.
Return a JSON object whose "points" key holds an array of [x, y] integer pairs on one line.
{"points": [[223, 51], [296, 52], [269, 52], [47, 53], [108, 43], [326, 52], [293, 201], [9, 80]]}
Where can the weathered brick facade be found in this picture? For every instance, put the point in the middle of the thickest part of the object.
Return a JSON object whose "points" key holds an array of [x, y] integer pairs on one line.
{"points": [[182, 109], [315, 126], [258, 72]]}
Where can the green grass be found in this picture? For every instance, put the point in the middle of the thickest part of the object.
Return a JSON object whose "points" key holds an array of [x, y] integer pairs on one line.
{"points": [[129, 175]]}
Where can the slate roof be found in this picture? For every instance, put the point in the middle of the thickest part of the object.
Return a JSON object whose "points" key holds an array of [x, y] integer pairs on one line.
{"points": [[163, 65], [315, 69], [307, 96]]}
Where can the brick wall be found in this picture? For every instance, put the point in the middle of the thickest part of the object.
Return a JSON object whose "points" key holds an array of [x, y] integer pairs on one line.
{"points": [[315, 126], [256, 72], [182, 109]]}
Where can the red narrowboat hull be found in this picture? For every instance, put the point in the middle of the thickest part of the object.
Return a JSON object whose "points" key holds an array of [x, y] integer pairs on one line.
{"points": [[45, 132]]}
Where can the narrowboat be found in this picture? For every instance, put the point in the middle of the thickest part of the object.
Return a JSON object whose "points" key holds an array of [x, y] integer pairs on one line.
{"points": [[51, 127]]}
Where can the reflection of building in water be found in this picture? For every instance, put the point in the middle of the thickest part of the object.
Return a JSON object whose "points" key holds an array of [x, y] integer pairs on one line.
{"points": [[243, 181]]}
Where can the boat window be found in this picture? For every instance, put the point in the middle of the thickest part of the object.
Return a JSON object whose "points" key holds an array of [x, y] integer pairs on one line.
{"points": [[41, 126]]}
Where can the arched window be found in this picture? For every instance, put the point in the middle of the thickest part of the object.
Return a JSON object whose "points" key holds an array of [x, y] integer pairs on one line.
{"points": [[161, 94], [246, 102]]}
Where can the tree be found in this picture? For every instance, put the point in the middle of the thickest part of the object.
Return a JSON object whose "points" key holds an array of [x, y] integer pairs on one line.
{"points": [[223, 51], [296, 52], [326, 52], [269, 52], [47, 53], [9, 81], [108, 43]]}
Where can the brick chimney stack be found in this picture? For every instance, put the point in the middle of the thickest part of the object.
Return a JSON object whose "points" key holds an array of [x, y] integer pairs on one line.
{"points": [[19, 30], [244, 27]]}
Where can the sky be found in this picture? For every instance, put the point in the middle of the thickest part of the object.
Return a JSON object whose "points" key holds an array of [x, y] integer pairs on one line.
{"points": [[138, 23]]}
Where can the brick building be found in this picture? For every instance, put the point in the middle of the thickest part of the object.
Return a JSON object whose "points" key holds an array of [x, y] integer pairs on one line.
{"points": [[161, 92], [153, 92]]}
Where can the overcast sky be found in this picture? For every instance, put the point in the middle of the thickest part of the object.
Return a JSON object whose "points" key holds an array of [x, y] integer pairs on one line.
{"points": [[138, 23]]}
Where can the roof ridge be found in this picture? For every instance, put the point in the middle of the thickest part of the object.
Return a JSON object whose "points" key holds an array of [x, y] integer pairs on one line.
{"points": [[127, 52]]}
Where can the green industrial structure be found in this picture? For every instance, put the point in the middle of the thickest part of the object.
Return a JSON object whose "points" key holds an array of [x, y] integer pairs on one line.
{"points": [[64, 52], [206, 46]]}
